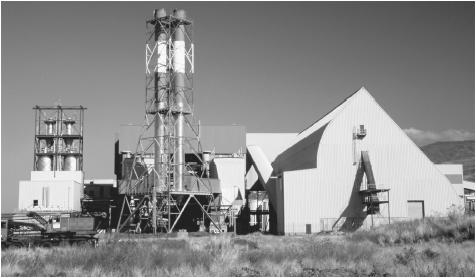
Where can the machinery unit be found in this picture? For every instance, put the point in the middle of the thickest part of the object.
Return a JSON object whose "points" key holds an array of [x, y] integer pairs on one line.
{"points": [[52, 229]]}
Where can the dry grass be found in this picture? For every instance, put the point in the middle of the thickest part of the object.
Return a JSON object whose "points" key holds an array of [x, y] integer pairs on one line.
{"points": [[442, 252], [456, 228]]}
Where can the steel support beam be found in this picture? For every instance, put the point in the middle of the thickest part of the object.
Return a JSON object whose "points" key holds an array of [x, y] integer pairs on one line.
{"points": [[132, 214], [206, 213], [180, 214]]}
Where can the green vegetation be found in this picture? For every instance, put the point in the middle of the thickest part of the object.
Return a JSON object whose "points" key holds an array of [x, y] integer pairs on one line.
{"points": [[431, 247]]}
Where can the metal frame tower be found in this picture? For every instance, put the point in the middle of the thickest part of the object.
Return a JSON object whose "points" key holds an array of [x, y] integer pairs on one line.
{"points": [[58, 144], [169, 128]]}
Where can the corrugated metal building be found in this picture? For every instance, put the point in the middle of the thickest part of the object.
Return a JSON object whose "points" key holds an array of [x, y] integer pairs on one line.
{"points": [[231, 173], [319, 177]]}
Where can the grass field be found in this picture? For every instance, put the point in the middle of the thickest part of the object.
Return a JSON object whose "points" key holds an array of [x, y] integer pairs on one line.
{"points": [[431, 247]]}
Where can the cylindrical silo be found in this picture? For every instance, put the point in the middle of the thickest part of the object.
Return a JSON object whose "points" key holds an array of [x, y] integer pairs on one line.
{"points": [[44, 163], [70, 161]]}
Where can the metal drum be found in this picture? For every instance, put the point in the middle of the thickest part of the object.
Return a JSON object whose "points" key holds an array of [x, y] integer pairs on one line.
{"points": [[44, 163], [70, 163]]}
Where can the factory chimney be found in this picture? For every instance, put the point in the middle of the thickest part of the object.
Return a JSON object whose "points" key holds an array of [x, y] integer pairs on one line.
{"points": [[180, 101]]}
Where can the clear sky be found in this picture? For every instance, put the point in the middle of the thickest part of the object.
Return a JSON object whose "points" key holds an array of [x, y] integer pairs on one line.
{"points": [[273, 67]]}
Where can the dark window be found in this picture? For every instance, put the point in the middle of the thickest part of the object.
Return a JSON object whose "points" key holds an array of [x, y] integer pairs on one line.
{"points": [[35, 203], [101, 192]]}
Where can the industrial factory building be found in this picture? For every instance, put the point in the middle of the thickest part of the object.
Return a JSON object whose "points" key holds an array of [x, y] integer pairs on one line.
{"points": [[352, 167]]}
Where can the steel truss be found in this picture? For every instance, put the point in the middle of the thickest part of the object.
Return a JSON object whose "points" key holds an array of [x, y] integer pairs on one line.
{"points": [[53, 142], [159, 166]]}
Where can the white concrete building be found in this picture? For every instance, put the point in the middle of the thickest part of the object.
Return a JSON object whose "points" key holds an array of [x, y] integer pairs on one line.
{"points": [[51, 191], [318, 178]]}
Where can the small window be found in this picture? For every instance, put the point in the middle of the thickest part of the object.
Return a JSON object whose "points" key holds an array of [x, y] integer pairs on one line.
{"points": [[35, 203]]}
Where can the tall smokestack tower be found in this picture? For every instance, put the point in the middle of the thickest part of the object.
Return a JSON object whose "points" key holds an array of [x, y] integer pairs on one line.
{"points": [[159, 180], [169, 70], [179, 93], [169, 112]]}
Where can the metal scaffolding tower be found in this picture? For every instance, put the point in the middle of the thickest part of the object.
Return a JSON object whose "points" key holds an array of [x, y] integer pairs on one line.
{"points": [[58, 144], [166, 184]]}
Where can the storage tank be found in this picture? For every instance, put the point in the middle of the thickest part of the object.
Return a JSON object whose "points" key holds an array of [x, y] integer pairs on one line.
{"points": [[44, 163], [70, 163]]}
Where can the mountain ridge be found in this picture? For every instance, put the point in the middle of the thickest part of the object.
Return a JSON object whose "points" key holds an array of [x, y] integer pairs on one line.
{"points": [[453, 152]]}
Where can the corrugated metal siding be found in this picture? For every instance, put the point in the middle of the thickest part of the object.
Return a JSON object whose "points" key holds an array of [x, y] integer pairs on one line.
{"points": [[301, 201], [280, 206], [272, 144], [331, 189], [397, 162], [231, 173]]}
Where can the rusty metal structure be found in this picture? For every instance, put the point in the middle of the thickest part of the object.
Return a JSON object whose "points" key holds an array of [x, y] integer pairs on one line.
{"points": [[160, 184]]}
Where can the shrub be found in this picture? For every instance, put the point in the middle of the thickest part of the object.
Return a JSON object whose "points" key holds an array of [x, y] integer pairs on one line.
{"points": [[456, 228]]}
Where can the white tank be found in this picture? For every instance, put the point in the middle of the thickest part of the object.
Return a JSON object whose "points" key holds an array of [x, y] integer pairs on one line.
{"points": [[70, 163], [44, 163]]}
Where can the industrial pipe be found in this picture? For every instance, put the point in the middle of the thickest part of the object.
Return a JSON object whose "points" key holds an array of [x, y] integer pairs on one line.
{"points": [[180, 101], [161, 101]]}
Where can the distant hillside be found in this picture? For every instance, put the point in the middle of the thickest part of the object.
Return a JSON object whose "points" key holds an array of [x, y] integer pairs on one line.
{"points": [[457, 152]]}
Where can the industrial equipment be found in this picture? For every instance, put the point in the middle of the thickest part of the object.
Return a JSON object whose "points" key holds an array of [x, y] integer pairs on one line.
{"points": [[58, 138], [162, 191], [370, 193], [56, 181], [32, 229]]}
